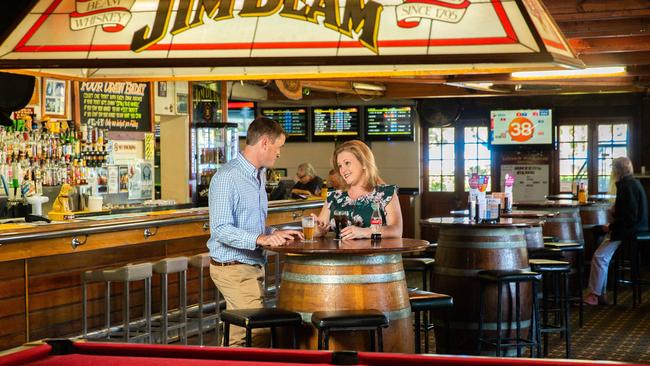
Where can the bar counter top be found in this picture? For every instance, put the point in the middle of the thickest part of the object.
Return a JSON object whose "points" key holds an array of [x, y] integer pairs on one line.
{"points": [[158, 224]]}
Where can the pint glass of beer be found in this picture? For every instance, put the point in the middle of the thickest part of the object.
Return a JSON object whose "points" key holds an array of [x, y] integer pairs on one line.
{"points": [[308, 228]]}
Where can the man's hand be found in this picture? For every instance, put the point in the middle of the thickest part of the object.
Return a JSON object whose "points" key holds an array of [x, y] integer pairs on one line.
{"points": [[279, 237]]}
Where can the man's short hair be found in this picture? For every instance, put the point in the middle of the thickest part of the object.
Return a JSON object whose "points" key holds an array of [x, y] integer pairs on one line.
{"points": [[263, 126]]}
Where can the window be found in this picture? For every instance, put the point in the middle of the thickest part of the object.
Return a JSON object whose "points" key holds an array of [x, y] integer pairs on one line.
{"points": [[574, 145], [441, 159], [612, 143], [478, 158]]}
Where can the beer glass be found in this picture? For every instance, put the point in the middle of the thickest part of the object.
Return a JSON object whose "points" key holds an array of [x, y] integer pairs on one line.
{"points": [[308, 228], [341, 221]]}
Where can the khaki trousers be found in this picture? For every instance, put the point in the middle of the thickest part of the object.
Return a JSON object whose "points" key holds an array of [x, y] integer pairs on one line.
{"points": [[241, 287]]}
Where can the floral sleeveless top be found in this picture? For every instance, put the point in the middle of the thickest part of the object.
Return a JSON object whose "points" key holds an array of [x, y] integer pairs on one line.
{"points": [[360, 210]]}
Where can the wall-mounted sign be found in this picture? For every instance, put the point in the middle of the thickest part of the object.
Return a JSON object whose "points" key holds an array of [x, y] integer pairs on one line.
{"points": [[531, 181], [115, 105]]}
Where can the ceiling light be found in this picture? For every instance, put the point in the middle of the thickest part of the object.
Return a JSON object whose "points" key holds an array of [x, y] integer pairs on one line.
{"points": [[587, 72]]}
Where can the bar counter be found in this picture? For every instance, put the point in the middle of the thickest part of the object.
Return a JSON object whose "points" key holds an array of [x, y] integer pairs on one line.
{"points": [[359, 274], [40, 273]]}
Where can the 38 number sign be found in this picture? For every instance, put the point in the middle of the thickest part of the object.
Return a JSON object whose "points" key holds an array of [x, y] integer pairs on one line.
{"points": [[521, 129]]}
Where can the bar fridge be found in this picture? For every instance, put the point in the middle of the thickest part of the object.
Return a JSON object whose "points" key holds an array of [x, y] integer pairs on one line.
{"points": [[212, 145]]}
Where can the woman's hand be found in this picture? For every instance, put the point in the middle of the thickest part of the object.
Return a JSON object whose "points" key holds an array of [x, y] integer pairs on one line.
{"points": [[322, 227], [355, 232]]}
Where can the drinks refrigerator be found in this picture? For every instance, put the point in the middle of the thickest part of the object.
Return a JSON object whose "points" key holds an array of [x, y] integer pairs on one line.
{"points": [[212, 145]]}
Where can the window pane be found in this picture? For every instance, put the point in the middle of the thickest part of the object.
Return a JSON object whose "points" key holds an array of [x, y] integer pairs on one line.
{"points": [[603, 183], [566, 167], [483, 134], [604, 152], [470, 134], [471, 167], [565, 185], [580, 133], [620, 132], [434, 184], [435, 167], [448, 151], [435, 151], [566, 150], [617, 152], [448, 167], [580, 150], [448, 135], [448, 183], [580, 167], [470, 151], [605, 167], [483, 152], [434, 135], [566, 133], [604, 132]]}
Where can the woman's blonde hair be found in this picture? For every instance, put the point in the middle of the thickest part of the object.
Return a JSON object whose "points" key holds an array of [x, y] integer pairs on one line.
{"points": [[362, 152], [621, 167]]}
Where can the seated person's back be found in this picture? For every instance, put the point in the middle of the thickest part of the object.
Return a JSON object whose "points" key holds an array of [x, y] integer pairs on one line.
{"points": [[308, 183]]}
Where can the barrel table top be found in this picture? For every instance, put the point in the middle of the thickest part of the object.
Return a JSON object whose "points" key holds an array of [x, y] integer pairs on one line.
{"points": [[329, 245], [547, 204], [465, 222], [514, 214], [599, 197]]}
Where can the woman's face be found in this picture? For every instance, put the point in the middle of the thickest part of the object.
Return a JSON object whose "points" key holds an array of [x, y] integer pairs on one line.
{"points": [[350, 168]]}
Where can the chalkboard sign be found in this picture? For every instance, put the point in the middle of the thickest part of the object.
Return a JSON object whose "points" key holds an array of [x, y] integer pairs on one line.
{"points": [[115, 105]]}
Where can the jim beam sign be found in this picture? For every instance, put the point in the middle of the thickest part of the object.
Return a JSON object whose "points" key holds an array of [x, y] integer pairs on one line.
{"points": [[239, 29]]}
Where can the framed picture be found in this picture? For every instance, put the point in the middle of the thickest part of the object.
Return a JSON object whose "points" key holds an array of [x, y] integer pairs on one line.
{"points": [[181, 103], [162, 89], [54, 98]]}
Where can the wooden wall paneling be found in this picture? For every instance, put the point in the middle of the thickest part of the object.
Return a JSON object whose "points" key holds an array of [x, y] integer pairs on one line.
{"points": [[12, 303]]}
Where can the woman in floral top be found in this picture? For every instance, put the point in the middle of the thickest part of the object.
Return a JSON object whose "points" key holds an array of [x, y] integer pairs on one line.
{"points": [[362, 187]]}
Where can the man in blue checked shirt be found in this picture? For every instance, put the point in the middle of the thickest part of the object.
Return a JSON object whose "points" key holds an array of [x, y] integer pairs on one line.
{"points": [[238, 208]]}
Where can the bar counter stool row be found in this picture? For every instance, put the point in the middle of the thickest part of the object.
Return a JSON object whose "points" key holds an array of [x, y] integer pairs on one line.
{"points": [[168, 322]]}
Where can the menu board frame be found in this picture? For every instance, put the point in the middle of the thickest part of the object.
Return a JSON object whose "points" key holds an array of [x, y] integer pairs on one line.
{"points": [[336, 137], [293, 138], [145, 122], [387, 136]]}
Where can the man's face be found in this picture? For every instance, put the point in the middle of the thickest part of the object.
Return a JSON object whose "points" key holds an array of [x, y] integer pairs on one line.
{"points": [[271, 150]]}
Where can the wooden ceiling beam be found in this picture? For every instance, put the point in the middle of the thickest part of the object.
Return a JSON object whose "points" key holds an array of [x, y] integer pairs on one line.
{"points": [[610, 45], [614, 59], [606, 28]]}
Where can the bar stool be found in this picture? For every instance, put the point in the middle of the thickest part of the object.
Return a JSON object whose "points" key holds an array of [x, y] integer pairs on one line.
{"points": [[632, 263], [126, 275], [260, 318], [349, 320], [506, 277], [579, 248], [422, 265], [202, 262], [165, 267], [555, 277], [424, 301]]}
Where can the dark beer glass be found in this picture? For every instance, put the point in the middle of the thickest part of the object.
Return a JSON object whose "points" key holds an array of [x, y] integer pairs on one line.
{"points": [[341, 221]]}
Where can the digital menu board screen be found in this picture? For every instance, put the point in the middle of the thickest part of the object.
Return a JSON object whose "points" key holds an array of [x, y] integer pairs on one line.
{"points": [[521, 127], [241, 113], [336, 122], [293, 120], [389, 122]]}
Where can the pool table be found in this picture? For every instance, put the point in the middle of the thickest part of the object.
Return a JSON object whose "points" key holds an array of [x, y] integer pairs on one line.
{"points": [[69, 353]]}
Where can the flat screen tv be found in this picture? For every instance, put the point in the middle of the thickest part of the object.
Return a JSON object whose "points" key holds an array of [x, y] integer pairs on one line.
{"points": [[389, 123], [523, 127], [335, 123], [241, 113], [293, 120]]}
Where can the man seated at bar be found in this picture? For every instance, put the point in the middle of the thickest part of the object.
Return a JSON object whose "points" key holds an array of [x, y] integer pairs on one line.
{"points": [[629, 216], [333, 180], [238, 209], [362, 188], [308, 184]]}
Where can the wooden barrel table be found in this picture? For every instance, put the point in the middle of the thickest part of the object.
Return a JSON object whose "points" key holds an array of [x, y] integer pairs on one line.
{"points": [[566, 224], [593, 214], [330, 275], [464, 249]]}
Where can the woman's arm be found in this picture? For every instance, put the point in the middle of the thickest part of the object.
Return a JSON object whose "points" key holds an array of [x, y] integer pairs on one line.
{"points": [[322, 221], [394, 225]]}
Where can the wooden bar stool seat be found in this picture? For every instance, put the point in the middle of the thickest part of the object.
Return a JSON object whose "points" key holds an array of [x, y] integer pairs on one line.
{"points": [[501, 278], [349, 320], [577, 270], [259, 318], [424, 301], [424, 266], [627, 258]]}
